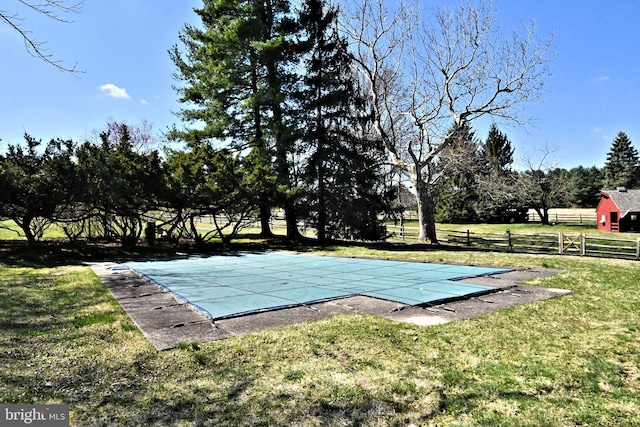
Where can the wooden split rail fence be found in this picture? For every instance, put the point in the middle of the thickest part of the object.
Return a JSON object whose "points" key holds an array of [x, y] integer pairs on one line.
{"points": [[577, 218], [557, 243]]}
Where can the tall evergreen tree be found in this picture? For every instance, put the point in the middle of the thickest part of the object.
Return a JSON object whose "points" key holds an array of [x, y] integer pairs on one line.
{"points": [[497, 150], [215, 71], [280, 53], [498, 202], [622, 168], [237, 73], [276, 86], [341, 167], [584, 186], [221, 86], [460, 165], [354, 190]]}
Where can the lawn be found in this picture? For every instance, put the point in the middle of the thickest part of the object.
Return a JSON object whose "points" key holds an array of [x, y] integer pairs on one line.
{"points": [[571, 360], [10, 231]]}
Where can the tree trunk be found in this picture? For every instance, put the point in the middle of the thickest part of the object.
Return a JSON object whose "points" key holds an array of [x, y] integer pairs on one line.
{"points": [[292, 220], [543, 213], [25, 225], [282, 149], [265, 207], [426, 213], [322, 206], [265, 219]]}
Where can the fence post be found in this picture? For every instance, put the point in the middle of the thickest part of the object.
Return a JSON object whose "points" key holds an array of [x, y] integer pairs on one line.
{"points": [[638, 250], [468, 238], [583, 243], [561, 243], [509, 239], [402, 231]]}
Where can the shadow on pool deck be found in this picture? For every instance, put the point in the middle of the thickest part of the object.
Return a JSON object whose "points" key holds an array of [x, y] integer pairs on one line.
{"points": [[167, 322]]}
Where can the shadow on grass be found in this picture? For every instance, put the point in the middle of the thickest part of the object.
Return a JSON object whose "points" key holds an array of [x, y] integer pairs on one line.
{"points": [[38, 303], [57, 253]]}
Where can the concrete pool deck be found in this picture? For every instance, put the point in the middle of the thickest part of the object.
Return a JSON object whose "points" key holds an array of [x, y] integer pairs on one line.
{"points": [[167, 322]]}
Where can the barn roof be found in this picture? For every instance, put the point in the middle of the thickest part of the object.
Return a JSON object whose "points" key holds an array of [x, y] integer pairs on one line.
{"points": [[626, 200]]}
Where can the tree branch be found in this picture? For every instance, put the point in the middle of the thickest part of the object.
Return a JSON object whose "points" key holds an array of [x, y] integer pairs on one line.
{"points": [[52, 9]]}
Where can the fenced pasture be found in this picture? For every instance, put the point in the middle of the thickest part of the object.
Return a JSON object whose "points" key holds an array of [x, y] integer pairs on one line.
{"points": [[528, 238], [559, 243], [567, 216]]}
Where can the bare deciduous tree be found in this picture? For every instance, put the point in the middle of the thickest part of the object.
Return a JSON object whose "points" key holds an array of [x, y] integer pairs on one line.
{"points": [[53, 9], [542, 185], [428, 75]]}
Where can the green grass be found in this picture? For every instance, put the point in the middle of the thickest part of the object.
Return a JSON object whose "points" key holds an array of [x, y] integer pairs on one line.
{"points": [[10, 231], [571, 360]]}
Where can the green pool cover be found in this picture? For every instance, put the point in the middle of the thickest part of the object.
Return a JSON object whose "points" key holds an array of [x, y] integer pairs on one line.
{"points": [[242, 283]]}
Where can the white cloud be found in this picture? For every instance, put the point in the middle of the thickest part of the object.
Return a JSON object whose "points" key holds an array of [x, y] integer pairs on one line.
{"points": [[144, 101], [603, 78], [114, 91]]}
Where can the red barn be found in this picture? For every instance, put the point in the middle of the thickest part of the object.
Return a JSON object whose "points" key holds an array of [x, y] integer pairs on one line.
{"points": [[619, 210]]}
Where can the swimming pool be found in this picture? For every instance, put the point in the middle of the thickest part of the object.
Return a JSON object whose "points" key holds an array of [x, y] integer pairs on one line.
{"points": [[241, 283]]}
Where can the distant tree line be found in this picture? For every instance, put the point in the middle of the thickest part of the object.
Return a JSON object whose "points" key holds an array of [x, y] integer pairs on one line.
{"points": [[478, 183]]}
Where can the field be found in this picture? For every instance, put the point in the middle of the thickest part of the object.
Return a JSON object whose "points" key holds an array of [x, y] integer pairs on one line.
{"points": [[587, 214], [571, 360]]}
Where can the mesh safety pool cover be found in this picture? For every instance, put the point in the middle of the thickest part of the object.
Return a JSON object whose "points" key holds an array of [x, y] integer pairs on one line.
{"points": [[245, 282]]}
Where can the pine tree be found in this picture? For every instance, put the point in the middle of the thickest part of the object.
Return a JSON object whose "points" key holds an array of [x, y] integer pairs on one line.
{"points": [[237, 74], [460, 166], [497, 201], [280, 53], [585, 185], [216, 70], [354, 190], [341, 168], [622, 168], [497, 150]]}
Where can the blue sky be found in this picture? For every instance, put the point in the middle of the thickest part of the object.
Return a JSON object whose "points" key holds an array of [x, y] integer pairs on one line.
{"points": [[592, 94]]}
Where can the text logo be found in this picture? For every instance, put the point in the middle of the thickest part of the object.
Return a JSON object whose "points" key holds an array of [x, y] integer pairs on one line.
{"points": [[34, 415]]}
